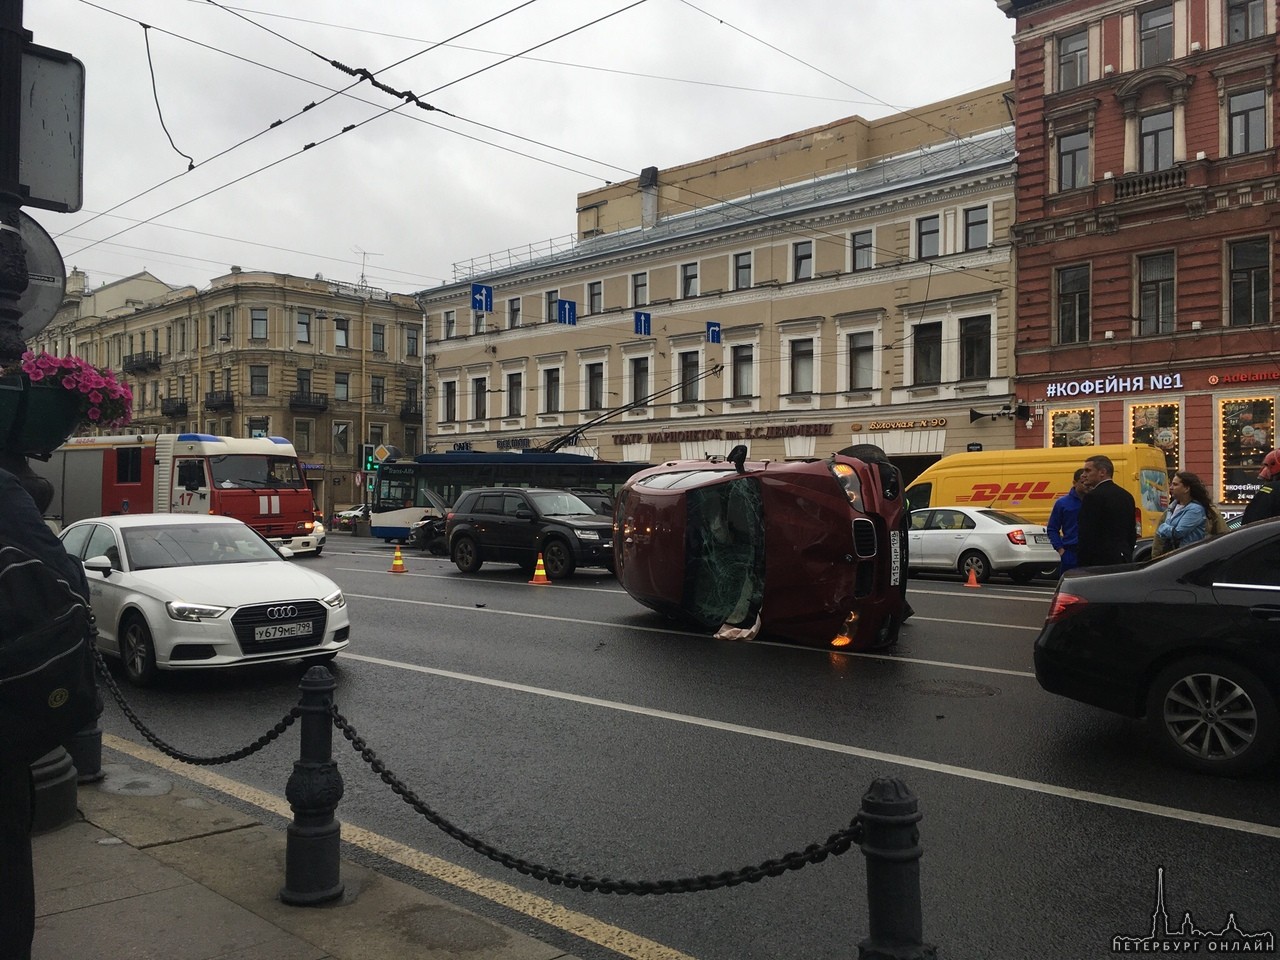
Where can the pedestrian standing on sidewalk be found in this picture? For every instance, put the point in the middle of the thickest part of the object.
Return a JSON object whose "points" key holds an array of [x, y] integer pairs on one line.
{"points": [[1266, 502], [1108, 515], [1187, 519], [1064, 522], [21, 521]]}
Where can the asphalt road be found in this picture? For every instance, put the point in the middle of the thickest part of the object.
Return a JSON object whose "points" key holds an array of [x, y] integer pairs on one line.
{"points": [[570, 727]]}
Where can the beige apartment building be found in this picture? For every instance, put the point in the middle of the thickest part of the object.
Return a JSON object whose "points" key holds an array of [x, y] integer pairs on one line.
{"points": [[845, 284], [328, 365]]}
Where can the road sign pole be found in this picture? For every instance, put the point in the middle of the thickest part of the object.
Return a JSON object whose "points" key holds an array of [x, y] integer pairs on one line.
{"points": [[13, 260]]}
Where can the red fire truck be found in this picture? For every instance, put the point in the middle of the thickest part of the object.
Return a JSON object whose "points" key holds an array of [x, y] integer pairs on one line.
{"points": [[256, 480]]}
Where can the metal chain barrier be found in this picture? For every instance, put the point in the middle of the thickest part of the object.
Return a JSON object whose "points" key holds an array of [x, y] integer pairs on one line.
{"points": [[836, 844], [283, 724]]}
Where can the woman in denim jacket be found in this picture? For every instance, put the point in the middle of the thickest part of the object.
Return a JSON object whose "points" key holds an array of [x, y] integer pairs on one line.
{"points": [[1186, 520]]}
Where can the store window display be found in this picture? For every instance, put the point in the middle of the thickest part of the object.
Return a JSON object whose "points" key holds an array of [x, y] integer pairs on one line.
{"points": [[1157, 424], [1247, 431]]}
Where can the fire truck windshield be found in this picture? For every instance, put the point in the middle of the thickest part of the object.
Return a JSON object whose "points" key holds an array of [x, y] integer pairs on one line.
{"points": [[253, 470]]}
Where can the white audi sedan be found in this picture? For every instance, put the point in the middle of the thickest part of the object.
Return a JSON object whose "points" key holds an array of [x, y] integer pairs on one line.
{"points": [[192, 591], [981, 541]]}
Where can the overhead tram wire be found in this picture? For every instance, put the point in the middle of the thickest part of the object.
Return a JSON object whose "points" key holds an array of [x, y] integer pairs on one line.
{"points": [[355, 126]]}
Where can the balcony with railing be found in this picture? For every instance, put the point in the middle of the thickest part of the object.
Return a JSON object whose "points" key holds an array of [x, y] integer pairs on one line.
{"points": [[140, 362], [173, 408], [1133, 185], [303, 402], [220, 400], [411, 411]]}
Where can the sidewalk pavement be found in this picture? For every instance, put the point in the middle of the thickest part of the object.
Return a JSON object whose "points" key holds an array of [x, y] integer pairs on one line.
{"points": [[151, 870]]}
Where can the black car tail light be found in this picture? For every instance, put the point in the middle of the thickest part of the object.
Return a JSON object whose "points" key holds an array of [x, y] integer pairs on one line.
{"points": [[1064, 605]]}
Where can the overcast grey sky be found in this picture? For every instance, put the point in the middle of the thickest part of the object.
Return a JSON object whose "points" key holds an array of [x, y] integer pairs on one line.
{"points": [[606, 88]]}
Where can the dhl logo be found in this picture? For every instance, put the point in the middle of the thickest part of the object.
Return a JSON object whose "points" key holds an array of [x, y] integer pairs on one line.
{"points": [[1010, 492]]}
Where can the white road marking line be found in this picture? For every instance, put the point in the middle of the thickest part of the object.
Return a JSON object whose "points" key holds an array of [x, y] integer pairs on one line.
{"points": [[620, 941], [947, 769]]}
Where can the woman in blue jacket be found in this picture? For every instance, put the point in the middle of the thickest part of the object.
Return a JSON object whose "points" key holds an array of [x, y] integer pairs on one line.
{"points": [[1186, 520]]}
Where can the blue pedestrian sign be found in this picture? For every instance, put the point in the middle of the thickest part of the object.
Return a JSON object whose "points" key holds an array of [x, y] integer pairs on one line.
{"points": [[713, 331], [644, 322], [481, 298], [567, 312]]}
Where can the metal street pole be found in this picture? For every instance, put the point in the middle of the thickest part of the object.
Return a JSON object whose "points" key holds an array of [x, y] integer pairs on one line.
{"points": [[13, 258]]}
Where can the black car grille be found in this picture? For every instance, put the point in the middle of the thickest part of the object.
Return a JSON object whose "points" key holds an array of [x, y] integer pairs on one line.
{"points": [[864, 538], [247, 618]]}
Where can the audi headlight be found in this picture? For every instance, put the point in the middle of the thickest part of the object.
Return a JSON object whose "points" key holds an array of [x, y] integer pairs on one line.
{"points": [[194, 612], [336, 599], [587, 534]]}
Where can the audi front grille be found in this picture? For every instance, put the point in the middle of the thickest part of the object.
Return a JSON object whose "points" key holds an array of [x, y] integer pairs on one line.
{"points": [[280, 612]]}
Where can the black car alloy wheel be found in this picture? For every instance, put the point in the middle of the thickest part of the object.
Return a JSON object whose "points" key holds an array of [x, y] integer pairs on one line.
{"points": [[1214, 716]]}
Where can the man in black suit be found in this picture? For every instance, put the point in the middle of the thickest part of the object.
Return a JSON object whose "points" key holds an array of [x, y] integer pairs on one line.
{"points": [[1107, 527]]}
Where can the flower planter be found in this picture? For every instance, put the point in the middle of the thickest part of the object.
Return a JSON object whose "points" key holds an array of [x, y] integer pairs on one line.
{"points": [[36, 419]]}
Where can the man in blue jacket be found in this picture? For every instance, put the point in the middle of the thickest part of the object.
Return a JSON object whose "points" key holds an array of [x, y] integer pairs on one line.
{"points": [[1064, 522]]}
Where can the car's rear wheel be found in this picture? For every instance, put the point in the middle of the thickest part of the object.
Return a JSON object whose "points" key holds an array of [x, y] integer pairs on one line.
{"points": [[319, 550], [976, 561], [1214, 716], [466, 555], [138, 651], [557, 557]]}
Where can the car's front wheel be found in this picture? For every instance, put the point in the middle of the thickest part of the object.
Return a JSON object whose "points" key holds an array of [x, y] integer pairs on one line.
{"points": [[977, 562], [138, 651], [558, 558], [466, 555], [1214, 716]]}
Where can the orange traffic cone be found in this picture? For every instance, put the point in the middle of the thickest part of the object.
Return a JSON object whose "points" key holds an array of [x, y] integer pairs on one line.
{"points": [[973, 579], [540, 573], [397, 562]]}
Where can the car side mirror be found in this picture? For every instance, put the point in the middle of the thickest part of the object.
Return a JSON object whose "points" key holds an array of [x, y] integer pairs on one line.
{"points": [[99, 564], [524, 514]]}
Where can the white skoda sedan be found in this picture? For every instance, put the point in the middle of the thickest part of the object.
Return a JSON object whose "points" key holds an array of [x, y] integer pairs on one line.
{"points": [[192, 591], [981, 541]]}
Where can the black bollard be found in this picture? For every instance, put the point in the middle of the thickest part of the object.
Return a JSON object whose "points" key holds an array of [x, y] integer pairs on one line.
{"points": [[313, 846], [891, 844], [54, 776]]}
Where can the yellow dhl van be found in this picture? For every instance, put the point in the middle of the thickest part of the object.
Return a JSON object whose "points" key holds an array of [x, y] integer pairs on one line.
{"points": [[1027, 482]]}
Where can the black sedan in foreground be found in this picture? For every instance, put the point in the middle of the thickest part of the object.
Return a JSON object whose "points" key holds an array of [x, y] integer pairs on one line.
{"points": [[1189, 641]]}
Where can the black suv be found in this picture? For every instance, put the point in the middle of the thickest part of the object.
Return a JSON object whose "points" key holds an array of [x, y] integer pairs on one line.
{"points": [[515, 525]]}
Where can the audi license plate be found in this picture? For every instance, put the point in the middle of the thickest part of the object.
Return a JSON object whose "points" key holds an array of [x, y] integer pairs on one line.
{"points": [[279, 631]]}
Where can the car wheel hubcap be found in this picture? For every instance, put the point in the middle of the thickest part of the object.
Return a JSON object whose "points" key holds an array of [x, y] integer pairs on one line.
{"points": [[137, 653], [1210, 716]]}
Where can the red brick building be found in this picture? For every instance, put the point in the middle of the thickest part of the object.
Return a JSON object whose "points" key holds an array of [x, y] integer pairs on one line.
{"points": [[1147, 195]]}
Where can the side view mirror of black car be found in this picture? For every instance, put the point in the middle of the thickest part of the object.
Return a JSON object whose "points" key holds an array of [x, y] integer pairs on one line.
{"points": [[524, 514]]}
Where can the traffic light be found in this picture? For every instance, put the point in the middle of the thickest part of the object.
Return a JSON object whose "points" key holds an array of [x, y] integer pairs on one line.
{"points": [[369, 461]]}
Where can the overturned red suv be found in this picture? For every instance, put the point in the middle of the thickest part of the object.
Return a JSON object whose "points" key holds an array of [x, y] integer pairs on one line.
{"points": [[811, 551]]}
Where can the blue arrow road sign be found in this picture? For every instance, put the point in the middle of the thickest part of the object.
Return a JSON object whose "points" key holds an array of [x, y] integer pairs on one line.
{"points": [[713, 331], [643, 323], [567, 312], [481, 298]]}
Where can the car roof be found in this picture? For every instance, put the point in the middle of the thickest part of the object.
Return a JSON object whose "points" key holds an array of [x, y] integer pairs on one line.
{"points": [[516, 490], [126, 520]]}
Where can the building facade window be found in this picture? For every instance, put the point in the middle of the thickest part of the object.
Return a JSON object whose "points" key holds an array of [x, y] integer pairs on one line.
{"points": [[479, 398], [513, 313], [1071, 428], [689, 370], [1073, 60], [1250, 282], [861, 360], [449, 401], [341, 328], [377, 433], [926, 354], [1245, 20], [257, 324], [342, 437], [975, 348], [302, 435], [688, 280], [411, 440], [551, 390], [640, 380], [304, 381], [448, 324], [801, 366], [411, 341], [1247, 122], [1157, 424], [477, 322], [1073, 160], [302, 330], [802, 260], [1155, 133], [928, 234], [1155, 294], [378, 390], [595, 386], [743, 360], [595, 297], [1248, 429], [378, 338], [342, 386], [1155, 35], [1073, 304], [977, 228], [862, 254], [553, 306], [639, 289], [741, 271], [257, 381], [515, 394]]}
